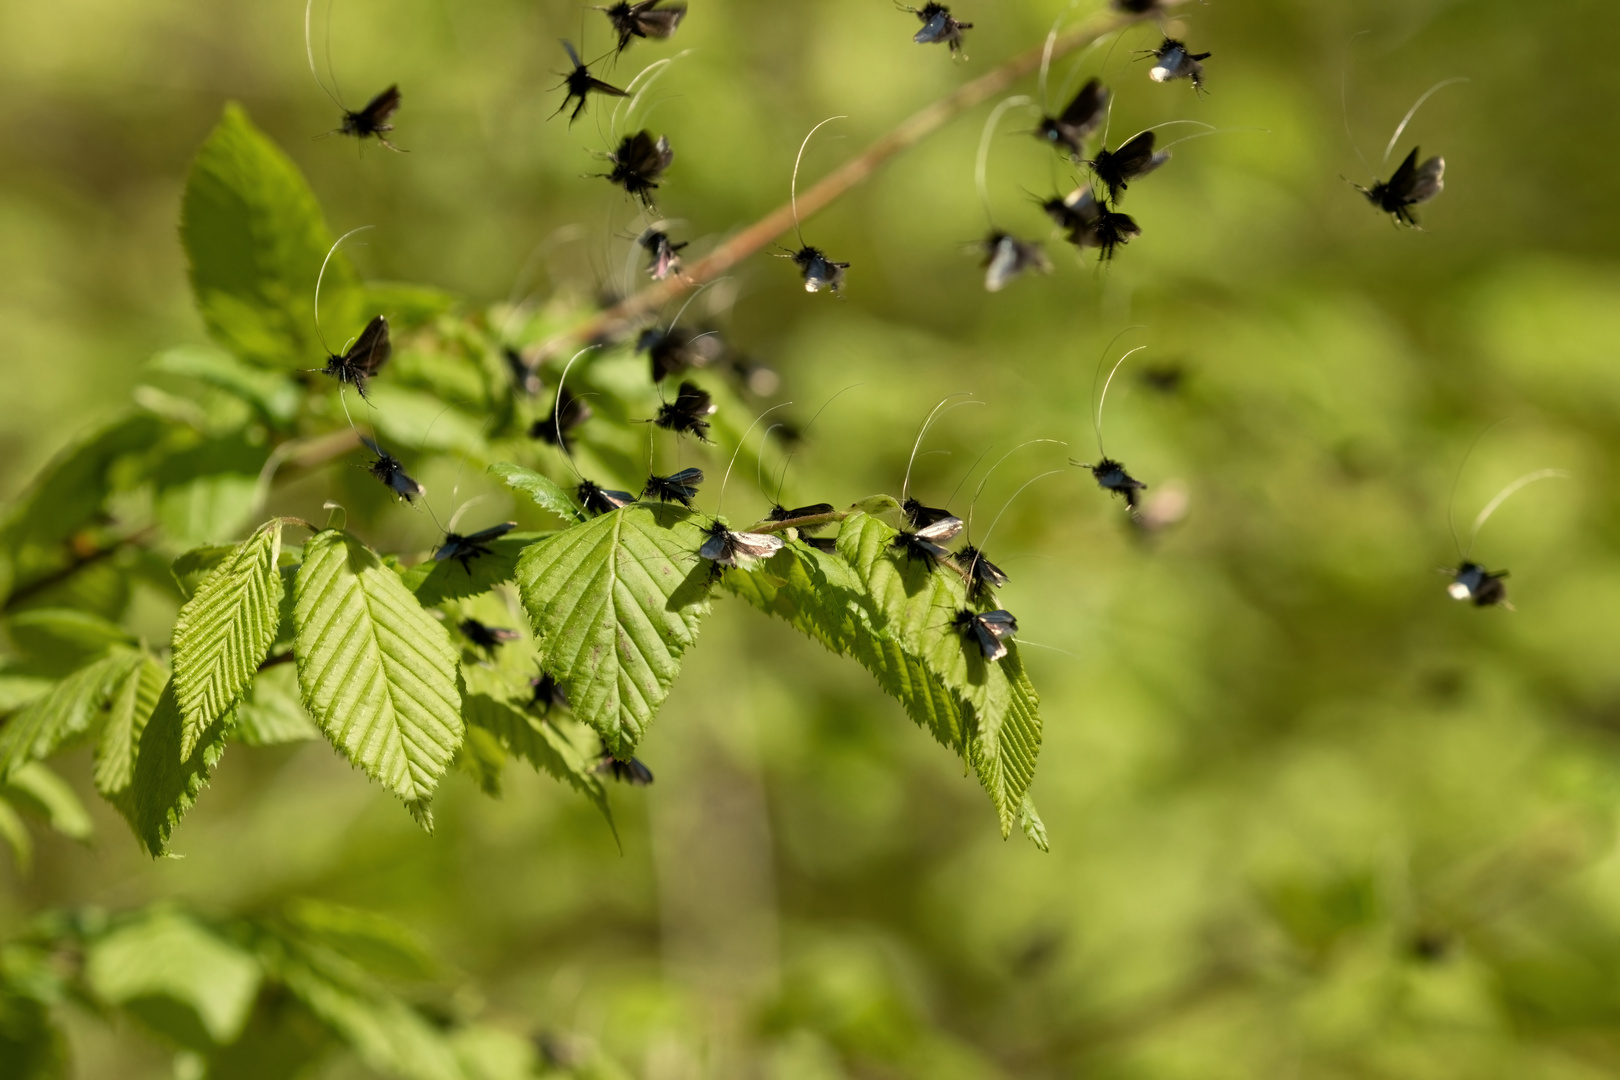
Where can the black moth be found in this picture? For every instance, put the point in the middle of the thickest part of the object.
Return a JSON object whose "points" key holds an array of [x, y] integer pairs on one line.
{"points": [[1412, 184], [982, 575], [818, 271], [927, 544], [567, 413], [1115, 169], [643, 19], [524, 377], [940, 27], [1479, 586], [364, 358], [723, 547], [638, 163], [665, 260], [1173, 61], [1079, 121], [464, 549], [581, 83], [1139, 7], [488, 638], [689, 412], [782, 513], [388, 469], [681, 487], [625, 772], [987, 628], [1112, 477], [1006, 257], [922, 516], [371, 121], [677, 349], [600, 500], [1087, 223], [547, 694]]}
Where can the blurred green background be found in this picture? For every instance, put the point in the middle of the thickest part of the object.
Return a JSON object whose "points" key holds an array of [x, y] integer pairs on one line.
{"points": [[1309, 817]]}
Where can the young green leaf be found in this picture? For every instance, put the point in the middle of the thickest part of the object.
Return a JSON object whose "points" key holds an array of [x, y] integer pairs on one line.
{"points": [[38, 789], [615, 603], [132, 705], [378, 672], [225, 631], [14, 832], [271, 712], [163, 785], [65, 713], [546, 493], [255, 239], [58, 641], [542, 745], [435, 582], [1032, 825]]}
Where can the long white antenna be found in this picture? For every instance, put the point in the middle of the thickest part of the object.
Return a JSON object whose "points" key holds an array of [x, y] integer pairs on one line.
{"points": [[985, 479], [981, 166], [1506, 493], [1344, 98], [905, 485], [322, 275], [1407, 119], [556, 411], [721, 501], [1096, 418], [793, 185], [991, 530], [309, 51], [782, 477], [1046, 56], [1207, 134], [652, 73], [1451, 500]]}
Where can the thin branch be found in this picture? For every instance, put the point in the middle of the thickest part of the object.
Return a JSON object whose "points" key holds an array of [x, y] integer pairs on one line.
{"points": [[277, 660], [612, 324], [27, 592]]}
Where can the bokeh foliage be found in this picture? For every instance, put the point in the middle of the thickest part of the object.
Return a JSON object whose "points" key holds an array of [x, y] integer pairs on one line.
{"points": [[1308, 817]]}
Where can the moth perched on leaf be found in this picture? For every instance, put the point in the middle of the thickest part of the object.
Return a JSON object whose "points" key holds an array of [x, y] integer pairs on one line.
{"points": [[1006, 257], [566, 413], [723, 547], [987, 629], [680, 487], [643, 19], [638, 163], [921, 516], [487, 638], [1411, 185], [782, 513], [1115, 169], [600, 500], [689, 412], [982, 575], [940, 27], [464, 549], [625, 772], [1173, 61], [927, 544], [1078, 122], [371, 122], [362, 360], [581, 84], [1479, 586], [547, 694], [388, 469], [664, 257]]}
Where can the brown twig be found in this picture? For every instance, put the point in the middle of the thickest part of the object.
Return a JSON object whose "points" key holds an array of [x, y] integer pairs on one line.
{"points": [[277, 660], [56, 577], [611, 325]]}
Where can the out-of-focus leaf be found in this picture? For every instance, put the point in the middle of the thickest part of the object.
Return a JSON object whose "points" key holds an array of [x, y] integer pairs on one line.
{"points": [[408, 305], [541, 745], [378, 944], [271, 712], [546, 493], [386, 1034], [179, 978], [415, 421], [378, 672], [62, 715], [15, 833], [31, 1047], [255, 239], [163, 784], [36, 788], [614, 603], [275, 396], [56, 641]]}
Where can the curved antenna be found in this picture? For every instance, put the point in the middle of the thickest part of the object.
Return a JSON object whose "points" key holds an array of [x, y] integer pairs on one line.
{"points": [[1344, 98], [981, 165], [905, 485], [563, 234], [1207, 134], [1504, 495], [1451, 500], [721, 500], [1109, 119], [781, 478], [1101, 359], [1097, 420], [556, 410], [309, 51], [1407, 119], [1166, 124], [985, 479], [652, 73], [322, 275], [759, 460], [793, 185], [1046, 55], [691, 299], [991, 530]]}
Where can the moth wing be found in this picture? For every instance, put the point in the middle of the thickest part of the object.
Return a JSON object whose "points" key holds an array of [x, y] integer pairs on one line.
{"points": [[934, 30], [1405, 175], [573, 56], [693, 400], [1429, 181], [494, 532], [714, 546], [940, 531], [989, 643], [371, 444], [1135, 154], [1086, 111], [616, 499], [372, 348], [605, 88], [1004, 264], [381, 107], [688, 477], [756, 545], [660, 23]]}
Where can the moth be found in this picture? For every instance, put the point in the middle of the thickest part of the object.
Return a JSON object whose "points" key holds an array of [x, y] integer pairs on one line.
{"points": [[371, 122], [1140, 7], [1086, 223], [1006, 257], [689, 412], [1173, 61], [464, 549], [981, 574], [1411, 185], [547, 694], [921, 516], [364, 358], [643, 19], [723, 547], [680, 487], [1479, 586], [1115, 169], [819, 271], [626, 772], [940, 27], [567, 413], [987, 629], [487, 638], [664, 254], [782, 513], [524, 377], [600, 500], [678, 349], [581, 84], [638, 163], [927, 544], [1079, 121], [1112, 478], [391, 472]]}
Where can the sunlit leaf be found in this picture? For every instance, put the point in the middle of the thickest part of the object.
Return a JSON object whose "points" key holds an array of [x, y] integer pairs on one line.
{"points": [[546, 493], [65, 713], [163, 783], [131, 707]]}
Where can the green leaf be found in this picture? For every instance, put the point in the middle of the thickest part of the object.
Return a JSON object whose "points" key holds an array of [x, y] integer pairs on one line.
{"points": [[271, 713], [274, 395], [15, 833], [378, 944], [63, 714], [1032, 825], [56, 641], [542, 745], [255, 239], [225, 631], [163, 785], [31, 1047], [179, 978], [615, 603], [436, 582], [387, 1035], [545, 492], [37, 788], [378, 672], [191, 568], [132, 705]]}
